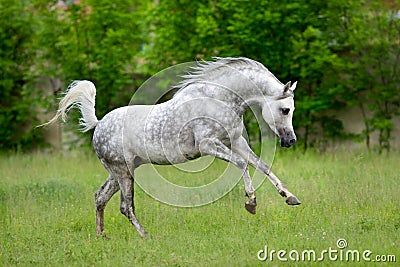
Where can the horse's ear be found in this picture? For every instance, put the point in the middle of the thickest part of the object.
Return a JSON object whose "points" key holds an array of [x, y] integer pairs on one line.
{"points": [[286, 88], [293, 86]]}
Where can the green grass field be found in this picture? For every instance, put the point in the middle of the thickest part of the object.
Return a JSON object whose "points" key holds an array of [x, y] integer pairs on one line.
{"points": [[47, 215]]}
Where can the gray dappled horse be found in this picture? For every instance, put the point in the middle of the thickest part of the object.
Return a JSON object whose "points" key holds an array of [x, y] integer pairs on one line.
{"points": [[204, 117]]}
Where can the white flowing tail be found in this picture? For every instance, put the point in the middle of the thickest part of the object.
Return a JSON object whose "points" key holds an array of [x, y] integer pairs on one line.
{"points": [[82, 95]]}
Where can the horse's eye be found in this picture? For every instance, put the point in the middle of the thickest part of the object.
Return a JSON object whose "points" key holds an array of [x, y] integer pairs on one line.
{"points": [[285, 111]]}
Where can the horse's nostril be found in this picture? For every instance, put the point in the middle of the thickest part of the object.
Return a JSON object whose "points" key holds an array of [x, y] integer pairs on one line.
{"points": [[292, 141]]}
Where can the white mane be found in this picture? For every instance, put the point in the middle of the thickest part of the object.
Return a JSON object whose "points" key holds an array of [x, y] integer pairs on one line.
{"points": [[204, 70]]}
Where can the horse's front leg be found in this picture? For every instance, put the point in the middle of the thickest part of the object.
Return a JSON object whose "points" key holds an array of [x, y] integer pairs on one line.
{"points": [[242, 148], [214, 147]]}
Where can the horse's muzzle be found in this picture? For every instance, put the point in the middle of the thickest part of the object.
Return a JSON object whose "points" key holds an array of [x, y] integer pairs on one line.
{"points": [[287, 138], [287, 142]]}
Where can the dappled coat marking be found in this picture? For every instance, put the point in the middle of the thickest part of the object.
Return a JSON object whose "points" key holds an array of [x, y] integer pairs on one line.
{"points": [[203, 118]]}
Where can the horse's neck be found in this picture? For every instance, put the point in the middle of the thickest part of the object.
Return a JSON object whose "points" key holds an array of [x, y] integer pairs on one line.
{"points": [[249, 84], [237, 88]]}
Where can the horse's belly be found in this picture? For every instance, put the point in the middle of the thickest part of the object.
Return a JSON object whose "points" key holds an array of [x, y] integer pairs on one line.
{"points": [[168, 154]]}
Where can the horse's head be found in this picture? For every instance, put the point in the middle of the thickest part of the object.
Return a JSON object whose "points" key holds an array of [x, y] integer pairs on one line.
{"points": [[278, 113]]}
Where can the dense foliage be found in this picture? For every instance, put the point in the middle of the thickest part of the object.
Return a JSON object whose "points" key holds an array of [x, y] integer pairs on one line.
{"points": [[344, 53], [16, 58]]}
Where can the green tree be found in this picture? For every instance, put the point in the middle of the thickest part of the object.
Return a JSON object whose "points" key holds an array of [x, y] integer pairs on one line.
{"points": [[374, 80], [94, 40], [17, 98]]}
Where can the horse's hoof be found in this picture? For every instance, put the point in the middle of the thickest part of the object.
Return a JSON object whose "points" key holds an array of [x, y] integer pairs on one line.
{"points": [[144, 235], [251, 205], [103, 236], [292, 200], [250, 208]]}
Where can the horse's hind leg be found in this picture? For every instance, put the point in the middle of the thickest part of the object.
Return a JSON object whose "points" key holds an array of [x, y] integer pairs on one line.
{"points": [[102, 196], [127, 203]]}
